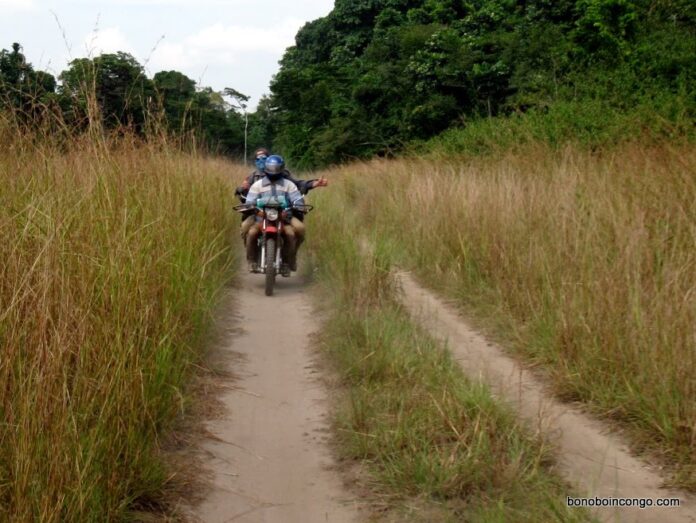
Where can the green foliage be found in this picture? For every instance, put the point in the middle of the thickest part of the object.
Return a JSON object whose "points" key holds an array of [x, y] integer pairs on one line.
{"points": [[177, 92], [375, 74], [261, 124], [113, 90], [592, 123], [22, 89], [117, 81]]}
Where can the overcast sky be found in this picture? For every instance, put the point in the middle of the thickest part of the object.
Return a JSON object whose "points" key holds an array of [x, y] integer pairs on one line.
{"points": [[217, 43]]}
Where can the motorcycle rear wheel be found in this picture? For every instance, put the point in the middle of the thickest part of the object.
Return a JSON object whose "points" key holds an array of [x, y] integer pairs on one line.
{"points": [[270, 265]]}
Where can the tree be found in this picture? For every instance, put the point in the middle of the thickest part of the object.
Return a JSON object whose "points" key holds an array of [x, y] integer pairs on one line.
{"points": [[113, 89], [374, 74], [116, 82], [22, 89], [175, 92], [240, 102], [262, 124]]}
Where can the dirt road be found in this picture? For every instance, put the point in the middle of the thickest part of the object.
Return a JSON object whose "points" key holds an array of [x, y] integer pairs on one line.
{"points": [[268, 454], [597, 462]]}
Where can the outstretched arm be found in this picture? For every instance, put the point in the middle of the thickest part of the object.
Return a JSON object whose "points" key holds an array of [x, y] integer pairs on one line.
{"points": [[307, 185], [304, 186]]}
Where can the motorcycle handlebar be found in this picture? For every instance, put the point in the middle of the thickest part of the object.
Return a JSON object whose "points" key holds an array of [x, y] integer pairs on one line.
{"points": [[245, 207]]}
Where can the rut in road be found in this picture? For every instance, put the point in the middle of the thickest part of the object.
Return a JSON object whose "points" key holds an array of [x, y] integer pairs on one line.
{"points": [[268, 454], [597, 462]]}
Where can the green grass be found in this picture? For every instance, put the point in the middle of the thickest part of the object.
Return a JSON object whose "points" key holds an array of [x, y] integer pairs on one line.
{"points": [[437, 446], [588, 123]]}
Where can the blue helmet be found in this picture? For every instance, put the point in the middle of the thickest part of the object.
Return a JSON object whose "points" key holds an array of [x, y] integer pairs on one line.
{"points": [[275, 165]]}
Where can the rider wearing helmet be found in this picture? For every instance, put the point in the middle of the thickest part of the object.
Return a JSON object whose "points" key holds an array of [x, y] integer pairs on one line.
{"points": [[274, 184], [274, 167], [260, 156]]}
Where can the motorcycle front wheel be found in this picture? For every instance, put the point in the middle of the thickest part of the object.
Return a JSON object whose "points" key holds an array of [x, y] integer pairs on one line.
{"points": [[270, 265]]}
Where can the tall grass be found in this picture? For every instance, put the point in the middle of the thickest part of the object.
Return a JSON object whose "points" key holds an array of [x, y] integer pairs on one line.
{"points": [[112, 253], [437, 446], [588, 258]]}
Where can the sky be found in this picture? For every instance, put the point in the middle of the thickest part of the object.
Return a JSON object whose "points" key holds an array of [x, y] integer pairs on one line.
{"points": [[217, 43]]}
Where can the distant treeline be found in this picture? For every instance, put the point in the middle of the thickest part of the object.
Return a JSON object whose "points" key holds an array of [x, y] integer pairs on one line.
{"points": [[114, 89], [375, 74]]}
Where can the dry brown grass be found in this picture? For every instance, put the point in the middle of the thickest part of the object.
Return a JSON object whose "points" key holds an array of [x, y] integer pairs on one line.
{"points": [[435, 445], [112, 251], [590, 256]]}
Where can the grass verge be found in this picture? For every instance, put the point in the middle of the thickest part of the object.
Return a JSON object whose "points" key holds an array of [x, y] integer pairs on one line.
{"points": [[112, 255], [586, 258], [589, 124], [437, 446]]}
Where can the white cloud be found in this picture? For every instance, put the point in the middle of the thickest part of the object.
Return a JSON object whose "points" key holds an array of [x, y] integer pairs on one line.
{"points": [[186, 3], [224, 44], [229, 4], [238, 38], [17, 5], [107, 40]]}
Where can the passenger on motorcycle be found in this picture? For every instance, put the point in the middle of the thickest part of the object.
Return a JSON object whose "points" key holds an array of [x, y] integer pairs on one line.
{"points": [[274, 184], [260, 156]]}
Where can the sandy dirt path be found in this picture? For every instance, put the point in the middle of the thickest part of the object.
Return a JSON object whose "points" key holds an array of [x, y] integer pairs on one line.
{"points": [[597, 462], [268, 453]]}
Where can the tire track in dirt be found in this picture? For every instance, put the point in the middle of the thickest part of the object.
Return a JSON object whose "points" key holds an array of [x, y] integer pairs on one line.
{"points": [[598, 462], [268, 455]]}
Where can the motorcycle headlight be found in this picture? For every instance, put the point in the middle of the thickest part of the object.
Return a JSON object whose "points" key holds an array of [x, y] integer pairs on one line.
{"points": [[272, 214]]}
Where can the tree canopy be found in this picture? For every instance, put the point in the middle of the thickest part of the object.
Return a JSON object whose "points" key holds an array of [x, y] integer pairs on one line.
{"points": [[21, 87], [115, 88], [375, 74]]}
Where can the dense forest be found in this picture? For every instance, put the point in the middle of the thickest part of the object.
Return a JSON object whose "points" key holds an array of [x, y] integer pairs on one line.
{"points": [[376, 75]]}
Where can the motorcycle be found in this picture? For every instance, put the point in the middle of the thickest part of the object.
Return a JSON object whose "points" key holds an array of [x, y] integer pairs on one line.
{"points": [[269, 259]]}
